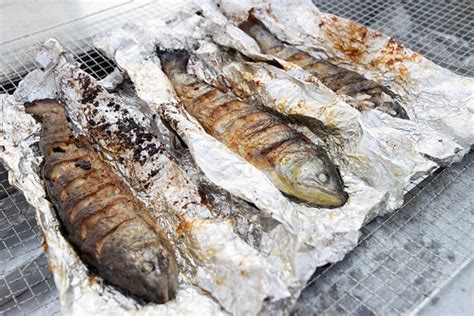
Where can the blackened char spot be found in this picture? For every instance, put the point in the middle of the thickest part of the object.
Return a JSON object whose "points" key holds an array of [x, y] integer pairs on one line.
{"points": [[151, 149], [205, 200], [173, 59], [80, 144], [153, 173], [84, 164], [58, 149], [129, 135], [90, 91], [142, 137], [137, 155]]}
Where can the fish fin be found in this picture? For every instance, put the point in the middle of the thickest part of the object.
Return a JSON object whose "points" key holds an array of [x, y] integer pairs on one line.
{"points": [[251, 21], [39, 108], [173, 59]]}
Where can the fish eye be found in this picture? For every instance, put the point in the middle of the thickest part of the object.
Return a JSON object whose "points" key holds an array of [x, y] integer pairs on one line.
{"points": [[323, 177], [315, 179], [147, 267]]}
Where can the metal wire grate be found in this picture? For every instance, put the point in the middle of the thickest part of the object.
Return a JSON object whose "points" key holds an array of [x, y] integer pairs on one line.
{"points": [[26, 284], [442, 30], [404, 257], [400, 259]]}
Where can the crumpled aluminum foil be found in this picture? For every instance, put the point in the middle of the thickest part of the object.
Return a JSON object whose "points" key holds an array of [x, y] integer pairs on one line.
{"points": [[79, 292], [221, 270], [431, 94], [212, 257]]}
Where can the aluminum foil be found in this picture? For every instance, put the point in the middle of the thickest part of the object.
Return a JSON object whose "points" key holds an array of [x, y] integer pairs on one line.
{"points": [[79, 291], [224, 267], [431, 94]]}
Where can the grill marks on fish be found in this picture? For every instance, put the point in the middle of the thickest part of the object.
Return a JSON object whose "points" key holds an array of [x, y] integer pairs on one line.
{"points": [[102, 218], [244, 128], [258, 136], [367, 93]]}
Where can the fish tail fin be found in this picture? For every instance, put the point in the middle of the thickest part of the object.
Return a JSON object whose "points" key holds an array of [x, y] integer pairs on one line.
{"points": [[55, 126], [256, 29], [173, 60], [250, 23], [41, 109]]}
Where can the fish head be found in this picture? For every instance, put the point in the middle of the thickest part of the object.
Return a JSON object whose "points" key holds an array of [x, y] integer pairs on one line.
{"points": [[155, 272], [313, 179], [387, 102], [393, 109], [144, 267]]}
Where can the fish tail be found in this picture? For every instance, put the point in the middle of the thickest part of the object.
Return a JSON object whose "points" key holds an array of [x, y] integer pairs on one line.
{"points": [[173, 60], [52, 116], [42, 109], [255, 28], [248, 25]]}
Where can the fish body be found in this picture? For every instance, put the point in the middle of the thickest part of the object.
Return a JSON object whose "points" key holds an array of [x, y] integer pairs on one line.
{"points": [[106, 223], [366, 93], [298, 167]]}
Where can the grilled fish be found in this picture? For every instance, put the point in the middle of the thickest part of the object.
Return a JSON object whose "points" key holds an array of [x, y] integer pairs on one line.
{"points": [[366, 93], [298, 167], [103, 220]]}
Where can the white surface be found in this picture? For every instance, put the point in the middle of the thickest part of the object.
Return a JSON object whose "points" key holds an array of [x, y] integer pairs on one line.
{"points": [[20, 17], [456, 298]]}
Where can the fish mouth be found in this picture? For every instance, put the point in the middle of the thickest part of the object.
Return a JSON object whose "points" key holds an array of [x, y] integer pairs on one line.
{"points": [[402, 114], [394, 110], [330, 199], [331, 195], [321, 197]]}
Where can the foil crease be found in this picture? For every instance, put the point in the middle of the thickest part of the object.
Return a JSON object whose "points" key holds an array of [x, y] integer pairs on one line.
{"points": [[223, 268]]}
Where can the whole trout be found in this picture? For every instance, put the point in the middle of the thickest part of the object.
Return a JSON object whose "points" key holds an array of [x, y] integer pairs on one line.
{"points": [[366, 93], [108, 226], [298, 167]]}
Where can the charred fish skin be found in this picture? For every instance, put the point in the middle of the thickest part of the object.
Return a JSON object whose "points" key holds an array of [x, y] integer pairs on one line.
{"points": [[293, 163], [104, 221], [367, 93]]}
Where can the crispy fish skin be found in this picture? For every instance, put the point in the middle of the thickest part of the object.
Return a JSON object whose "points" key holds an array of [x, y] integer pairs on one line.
{"points": [[295, 165], [367, 93], [103, 220]]}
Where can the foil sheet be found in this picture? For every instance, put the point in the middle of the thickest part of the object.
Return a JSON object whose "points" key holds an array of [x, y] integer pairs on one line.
{"points": [[251, 250]]}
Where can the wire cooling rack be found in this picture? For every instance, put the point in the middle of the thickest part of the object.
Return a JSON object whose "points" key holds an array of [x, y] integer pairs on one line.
{"points": [[401, 258]]}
